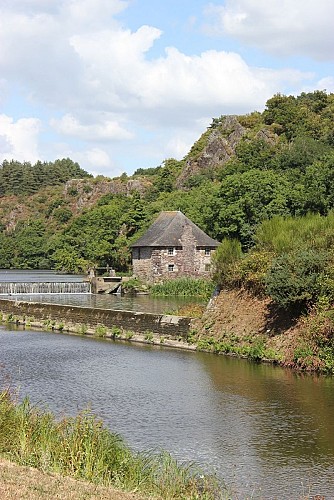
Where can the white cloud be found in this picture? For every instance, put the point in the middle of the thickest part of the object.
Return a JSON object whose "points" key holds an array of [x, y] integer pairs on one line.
{"points": [[96, 80], [75, 68], [326, 83], [95, 158], [19, 140], [92, 12], [281, 27], [106, 131]]}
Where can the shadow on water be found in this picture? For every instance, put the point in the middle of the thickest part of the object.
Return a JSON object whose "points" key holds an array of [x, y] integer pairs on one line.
{"points": [[286, 418]]}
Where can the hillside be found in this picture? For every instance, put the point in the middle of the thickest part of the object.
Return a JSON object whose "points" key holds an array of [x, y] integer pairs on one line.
{"points": [[241, 171], [262, 183]]}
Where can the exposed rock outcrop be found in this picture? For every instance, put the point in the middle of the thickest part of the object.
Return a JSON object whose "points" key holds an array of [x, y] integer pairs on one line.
{"points": [[221, 142], [220, 147]]}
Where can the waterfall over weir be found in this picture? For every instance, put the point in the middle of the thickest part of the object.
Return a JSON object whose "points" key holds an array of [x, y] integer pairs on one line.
{"points": [[13, 288]]}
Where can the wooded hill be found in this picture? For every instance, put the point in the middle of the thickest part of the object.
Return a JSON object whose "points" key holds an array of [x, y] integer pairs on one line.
{"points": [[242, 174]]}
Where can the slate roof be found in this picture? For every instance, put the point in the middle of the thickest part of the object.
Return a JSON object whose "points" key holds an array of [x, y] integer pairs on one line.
{"points": [[167, 229]]}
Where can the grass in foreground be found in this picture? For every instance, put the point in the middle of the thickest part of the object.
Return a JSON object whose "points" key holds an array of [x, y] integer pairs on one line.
{"points": [[83, 448], [26, 483]]}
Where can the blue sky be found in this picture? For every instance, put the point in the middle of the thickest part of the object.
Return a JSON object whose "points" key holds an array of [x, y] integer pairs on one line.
{"points": [[117, 85]]}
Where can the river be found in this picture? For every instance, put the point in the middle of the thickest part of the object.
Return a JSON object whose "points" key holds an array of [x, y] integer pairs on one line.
{"points": [[267, 431], [141, 303]]}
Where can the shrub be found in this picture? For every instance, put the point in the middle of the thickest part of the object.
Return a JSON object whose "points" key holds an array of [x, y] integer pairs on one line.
{"points": [[252, 270], [148, 336], [82, 329], [293, 279], [115, 332], [100, 331], [62, 214], [224, 262]]}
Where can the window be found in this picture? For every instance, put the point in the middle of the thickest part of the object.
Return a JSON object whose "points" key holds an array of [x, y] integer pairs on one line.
{"points": [[207, 251], [170, 268], [207, 267], [171, 251]]}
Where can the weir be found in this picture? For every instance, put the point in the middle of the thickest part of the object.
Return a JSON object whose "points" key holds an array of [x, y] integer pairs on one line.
{"points": [[17, 288]]}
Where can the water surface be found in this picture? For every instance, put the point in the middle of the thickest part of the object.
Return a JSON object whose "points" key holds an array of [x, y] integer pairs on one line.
{"points": [[267, 431], [140, 303]]}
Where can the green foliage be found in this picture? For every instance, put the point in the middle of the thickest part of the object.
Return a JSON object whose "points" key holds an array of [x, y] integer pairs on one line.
{"points": [[82, 329], [24, 178], [183, 287], [83, 448], [166, 175], [307, 114], [283, 235], [132, 285], [283, 166], [147, 171], [293, 279], [62, 215], [100, 331], [247, 199], [100, 235], [115, 332], [28, 246], [251, 271], [148, 336], [198, 146], [257, 153], [68, 260], [224, 262], [292, 261]]}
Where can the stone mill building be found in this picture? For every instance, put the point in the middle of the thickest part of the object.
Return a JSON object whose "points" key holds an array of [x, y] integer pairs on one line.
{"points": [[172, 247]]}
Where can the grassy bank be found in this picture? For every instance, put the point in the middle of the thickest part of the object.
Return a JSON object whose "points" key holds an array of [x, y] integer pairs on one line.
{"points": [[84, 449], [27, 483]]}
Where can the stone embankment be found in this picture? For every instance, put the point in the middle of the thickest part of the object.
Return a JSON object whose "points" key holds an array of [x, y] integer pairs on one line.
{"points": [[150, 328]]}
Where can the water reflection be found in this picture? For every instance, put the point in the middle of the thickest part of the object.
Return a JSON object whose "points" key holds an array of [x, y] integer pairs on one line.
{"points": [[287, 418], [263, 429], [38, 276], [140, 303]]}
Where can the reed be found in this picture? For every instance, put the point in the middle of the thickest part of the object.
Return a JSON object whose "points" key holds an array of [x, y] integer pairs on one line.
{"points": [[183, 287], [83, 448]]}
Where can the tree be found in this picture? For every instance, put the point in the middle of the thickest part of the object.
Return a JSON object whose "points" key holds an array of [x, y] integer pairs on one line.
{"points": [[247, 199]]}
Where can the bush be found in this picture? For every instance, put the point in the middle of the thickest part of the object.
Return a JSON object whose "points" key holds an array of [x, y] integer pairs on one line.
{"points": [[224, 262], [252, 270], [295, 278], [62, 214]]}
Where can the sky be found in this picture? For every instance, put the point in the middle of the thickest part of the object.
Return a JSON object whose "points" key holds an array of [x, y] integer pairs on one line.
{"points": [[117, 85]]}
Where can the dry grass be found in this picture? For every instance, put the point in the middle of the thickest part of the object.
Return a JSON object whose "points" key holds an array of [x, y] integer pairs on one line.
{"points": [[25, 483]]}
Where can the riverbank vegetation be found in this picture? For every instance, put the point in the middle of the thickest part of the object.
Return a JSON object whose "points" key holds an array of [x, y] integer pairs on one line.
{"points": [[81, 447], [261, 183], [183, 287]]}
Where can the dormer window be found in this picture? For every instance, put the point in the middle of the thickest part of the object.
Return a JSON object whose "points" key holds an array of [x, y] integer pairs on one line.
{"points": [[171, 251]]}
